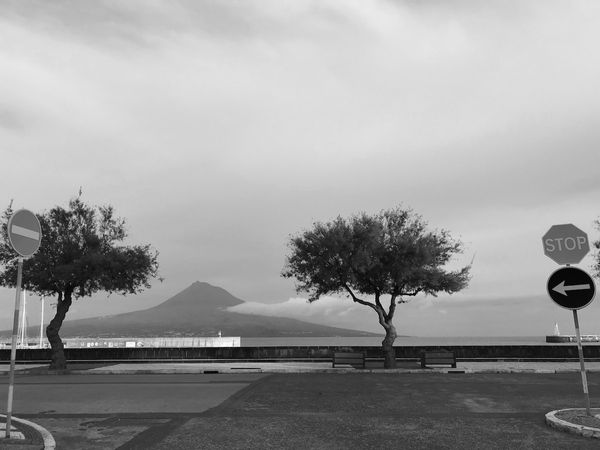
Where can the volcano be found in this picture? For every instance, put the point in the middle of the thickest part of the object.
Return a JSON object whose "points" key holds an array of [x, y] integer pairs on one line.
{"points": [[199, 310]]}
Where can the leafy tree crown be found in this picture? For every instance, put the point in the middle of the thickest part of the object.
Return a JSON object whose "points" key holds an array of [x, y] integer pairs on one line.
{"points": [[596, 244], [391, 253], [81, 252]]}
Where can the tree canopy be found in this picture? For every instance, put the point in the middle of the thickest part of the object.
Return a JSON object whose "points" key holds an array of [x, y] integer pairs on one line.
{"points": [[81, 253], [596, 264], [386, 254]]}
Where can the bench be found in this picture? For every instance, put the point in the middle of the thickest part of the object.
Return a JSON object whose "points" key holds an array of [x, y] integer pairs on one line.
{"points": [[439, 357], [353, 359]]}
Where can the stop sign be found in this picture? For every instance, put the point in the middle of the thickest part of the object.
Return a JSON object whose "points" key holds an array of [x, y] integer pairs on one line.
{"points": [[565, 244]]}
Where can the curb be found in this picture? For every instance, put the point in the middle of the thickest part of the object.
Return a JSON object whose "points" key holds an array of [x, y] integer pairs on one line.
{"points": [[569, 427], [259, 368], [48, 439], [311, 370]]}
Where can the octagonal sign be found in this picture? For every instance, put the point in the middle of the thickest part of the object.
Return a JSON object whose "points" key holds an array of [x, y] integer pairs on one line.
{"points": [[565, 244]]}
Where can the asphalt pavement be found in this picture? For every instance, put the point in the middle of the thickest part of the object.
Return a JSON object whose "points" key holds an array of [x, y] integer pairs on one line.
{"points": [[326, 367], [508, 366], [301, 405]]}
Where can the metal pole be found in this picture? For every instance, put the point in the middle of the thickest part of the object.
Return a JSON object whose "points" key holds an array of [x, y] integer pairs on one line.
{"points": [[25, 337], [13, 349], [20, 329], [23, 318], [583, 375], [42, 323]]}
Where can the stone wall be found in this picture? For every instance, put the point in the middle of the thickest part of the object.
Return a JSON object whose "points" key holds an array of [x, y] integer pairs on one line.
{"points": [[466, 352]]}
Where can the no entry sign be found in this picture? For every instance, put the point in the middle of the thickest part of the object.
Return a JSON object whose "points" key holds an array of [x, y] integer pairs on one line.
{"points": [[24, 232]]}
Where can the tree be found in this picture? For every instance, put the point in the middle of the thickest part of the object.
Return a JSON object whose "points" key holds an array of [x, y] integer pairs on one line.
{"points": [[387, 254], [596, 265], [81, 253]]}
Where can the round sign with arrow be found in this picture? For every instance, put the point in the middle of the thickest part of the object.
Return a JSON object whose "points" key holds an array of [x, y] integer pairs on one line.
{"points": [[571, 288]]}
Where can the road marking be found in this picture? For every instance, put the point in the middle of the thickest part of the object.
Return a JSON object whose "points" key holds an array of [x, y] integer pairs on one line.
{"points": [[26, 232]]}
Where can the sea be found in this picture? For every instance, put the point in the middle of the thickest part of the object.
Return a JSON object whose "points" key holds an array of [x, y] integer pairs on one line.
{"points": [[375, 341]]}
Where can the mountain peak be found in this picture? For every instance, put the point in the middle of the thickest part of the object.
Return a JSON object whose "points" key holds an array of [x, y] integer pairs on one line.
{"points": [[201, 309], [200, 294]]}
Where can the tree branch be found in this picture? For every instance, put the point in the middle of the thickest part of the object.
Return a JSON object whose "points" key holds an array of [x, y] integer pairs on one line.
{"points": [[390, 315], [412, 294], [378, 308], [358, 300], [409, 294]]}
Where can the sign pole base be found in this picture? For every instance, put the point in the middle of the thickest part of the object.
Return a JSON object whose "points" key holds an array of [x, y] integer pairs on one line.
{"points": [[583, 375]]}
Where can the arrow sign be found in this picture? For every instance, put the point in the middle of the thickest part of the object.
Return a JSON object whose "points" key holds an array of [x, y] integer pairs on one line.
{"points": [[562, 289], [571, 288]]}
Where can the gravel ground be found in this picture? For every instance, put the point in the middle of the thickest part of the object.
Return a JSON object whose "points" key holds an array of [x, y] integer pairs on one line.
{"points": [[580, 417]]}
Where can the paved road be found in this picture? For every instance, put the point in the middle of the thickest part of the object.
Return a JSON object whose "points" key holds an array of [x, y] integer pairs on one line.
{"points": [[318, 410], [75, 394], [109, 411]]}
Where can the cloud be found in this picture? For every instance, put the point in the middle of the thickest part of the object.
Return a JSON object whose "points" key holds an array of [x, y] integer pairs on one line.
{"points": [[456, 315], [219, 128], [332, 311]]}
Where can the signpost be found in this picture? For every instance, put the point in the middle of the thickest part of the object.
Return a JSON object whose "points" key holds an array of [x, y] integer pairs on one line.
{"points": [[25, 235], [569, 287]]}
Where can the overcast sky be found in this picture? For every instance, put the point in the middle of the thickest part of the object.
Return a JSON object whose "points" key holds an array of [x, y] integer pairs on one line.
{"points": [[220, 128]]}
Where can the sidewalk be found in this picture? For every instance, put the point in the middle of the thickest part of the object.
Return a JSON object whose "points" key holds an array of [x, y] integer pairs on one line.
{"points": [[321, 367]]}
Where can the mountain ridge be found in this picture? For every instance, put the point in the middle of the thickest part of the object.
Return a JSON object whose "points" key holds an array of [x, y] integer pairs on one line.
{"points": [[198, 310]]}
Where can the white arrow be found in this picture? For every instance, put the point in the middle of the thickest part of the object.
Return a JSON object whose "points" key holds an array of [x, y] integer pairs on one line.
{"points": [[562, 289]]}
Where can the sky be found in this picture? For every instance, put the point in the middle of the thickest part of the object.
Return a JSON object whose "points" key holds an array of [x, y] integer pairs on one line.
{"points": [[218, 129]]}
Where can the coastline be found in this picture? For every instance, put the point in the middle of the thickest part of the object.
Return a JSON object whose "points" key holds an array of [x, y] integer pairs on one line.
{"points": [[401, 341]]}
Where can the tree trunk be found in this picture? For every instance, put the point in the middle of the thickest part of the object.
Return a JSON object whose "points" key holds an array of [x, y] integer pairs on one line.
{"points": [[58, 360], [389, 353]]}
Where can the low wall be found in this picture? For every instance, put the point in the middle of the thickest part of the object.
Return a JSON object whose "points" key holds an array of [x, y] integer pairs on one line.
{"points": [[465, 352], [155, 342]]}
